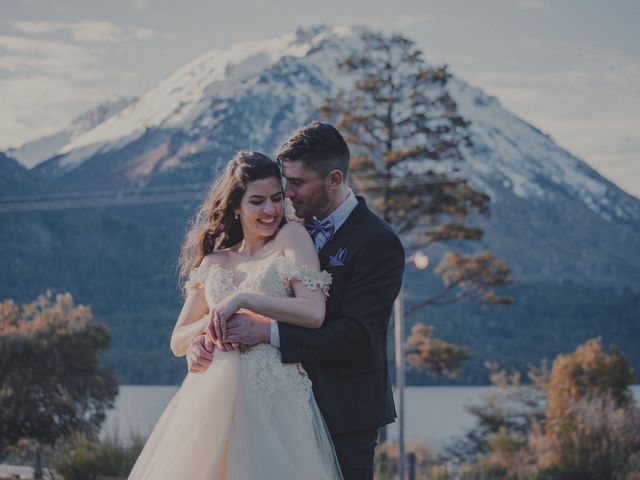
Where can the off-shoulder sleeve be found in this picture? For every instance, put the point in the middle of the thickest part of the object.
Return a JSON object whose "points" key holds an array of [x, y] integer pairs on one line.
{"points": [[312, 278], [196, 278]]}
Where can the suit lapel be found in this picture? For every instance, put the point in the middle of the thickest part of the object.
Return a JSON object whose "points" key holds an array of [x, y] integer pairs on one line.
{"points": [[352, 221]]}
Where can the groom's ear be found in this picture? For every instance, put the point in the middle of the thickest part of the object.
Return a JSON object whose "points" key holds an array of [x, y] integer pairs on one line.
{"points": [[334, 179]]}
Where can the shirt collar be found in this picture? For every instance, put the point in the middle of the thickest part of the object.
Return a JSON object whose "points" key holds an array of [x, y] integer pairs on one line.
{"points": [[340, 214]]}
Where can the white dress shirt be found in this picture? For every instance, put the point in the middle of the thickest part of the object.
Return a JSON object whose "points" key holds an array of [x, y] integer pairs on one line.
{"points": [[338, 216]]}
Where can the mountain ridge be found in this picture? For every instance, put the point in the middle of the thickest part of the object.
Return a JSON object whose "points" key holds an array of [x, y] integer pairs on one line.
{"points": [[557, 221]]}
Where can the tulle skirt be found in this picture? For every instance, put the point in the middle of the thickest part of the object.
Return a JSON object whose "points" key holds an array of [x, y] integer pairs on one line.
{"points": [[248, 416]]}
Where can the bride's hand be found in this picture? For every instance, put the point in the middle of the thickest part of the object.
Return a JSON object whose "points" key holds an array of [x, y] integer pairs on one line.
{"points": [[216, 325]]}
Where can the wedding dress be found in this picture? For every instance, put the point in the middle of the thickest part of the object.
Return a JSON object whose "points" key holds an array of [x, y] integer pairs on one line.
{"points": [[248, 416]]}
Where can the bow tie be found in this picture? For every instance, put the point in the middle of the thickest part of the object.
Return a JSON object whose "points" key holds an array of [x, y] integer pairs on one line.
{"points": [[320, 228]]}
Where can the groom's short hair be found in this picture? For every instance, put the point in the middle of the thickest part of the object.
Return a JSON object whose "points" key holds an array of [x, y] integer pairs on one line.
{"points": [[320, 147]]}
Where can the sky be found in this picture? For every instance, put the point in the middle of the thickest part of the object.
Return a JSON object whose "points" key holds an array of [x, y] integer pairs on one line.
{"points": [[569, 67]]}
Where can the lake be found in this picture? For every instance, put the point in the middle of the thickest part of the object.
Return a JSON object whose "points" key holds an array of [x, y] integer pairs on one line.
{"points": [[433, 414]]}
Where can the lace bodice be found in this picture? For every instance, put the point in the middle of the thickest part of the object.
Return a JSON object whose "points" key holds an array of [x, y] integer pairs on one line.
{"points": [[272, 277], [267, 374]]}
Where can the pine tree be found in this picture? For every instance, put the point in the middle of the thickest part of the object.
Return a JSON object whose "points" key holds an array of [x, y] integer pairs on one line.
{"points": [[408, 140]]}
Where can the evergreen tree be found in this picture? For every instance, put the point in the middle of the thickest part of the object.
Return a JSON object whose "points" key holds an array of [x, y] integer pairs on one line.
{"points": [[408, 140]]}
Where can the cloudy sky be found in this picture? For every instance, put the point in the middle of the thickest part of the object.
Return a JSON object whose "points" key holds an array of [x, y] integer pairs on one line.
{"points": [[569, 67]]}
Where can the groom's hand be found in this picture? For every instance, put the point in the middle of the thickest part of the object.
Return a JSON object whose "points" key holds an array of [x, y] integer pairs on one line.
{"points": [[248, 328], [200, 354]]}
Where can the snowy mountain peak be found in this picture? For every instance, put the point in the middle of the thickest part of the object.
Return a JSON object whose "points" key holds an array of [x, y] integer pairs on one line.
{"points": [[254, 94], [37, 151], [94, 117], [185, 94], [526, 161], [182, 96]]}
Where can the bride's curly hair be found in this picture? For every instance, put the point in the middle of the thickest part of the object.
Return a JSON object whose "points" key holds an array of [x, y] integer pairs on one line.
{"points": [[214, 226]]}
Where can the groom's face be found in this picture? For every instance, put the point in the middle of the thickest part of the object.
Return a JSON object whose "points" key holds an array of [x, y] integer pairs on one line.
{"points": [[306, 190]]}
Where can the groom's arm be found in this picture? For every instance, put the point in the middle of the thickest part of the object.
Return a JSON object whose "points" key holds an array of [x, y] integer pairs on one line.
{"points": [[373, 285]]}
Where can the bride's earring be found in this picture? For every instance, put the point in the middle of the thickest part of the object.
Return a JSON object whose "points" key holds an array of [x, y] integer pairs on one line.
{"points": [[236, 217]]}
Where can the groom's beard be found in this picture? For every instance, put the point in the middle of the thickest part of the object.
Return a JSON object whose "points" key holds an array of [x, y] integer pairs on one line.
{"points": [[319, 205]]}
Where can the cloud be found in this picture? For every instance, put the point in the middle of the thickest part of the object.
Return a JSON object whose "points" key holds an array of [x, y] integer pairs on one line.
{"points": [[28, 46], [51, 71], [34, 106], [591, 107], [90, 31], [46, 82], [81, 57], [20, 55], [84, 31]]}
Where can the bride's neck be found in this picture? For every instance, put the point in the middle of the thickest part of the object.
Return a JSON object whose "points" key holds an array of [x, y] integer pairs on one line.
{"points": [[250, 245]]}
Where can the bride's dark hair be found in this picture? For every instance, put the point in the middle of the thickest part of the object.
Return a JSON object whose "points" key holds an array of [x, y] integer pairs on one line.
{"points": [[214, 226]]}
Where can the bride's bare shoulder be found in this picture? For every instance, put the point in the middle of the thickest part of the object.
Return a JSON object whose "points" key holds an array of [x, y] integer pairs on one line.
{"points": [[294, 236], [292, 232], [217, 257]]}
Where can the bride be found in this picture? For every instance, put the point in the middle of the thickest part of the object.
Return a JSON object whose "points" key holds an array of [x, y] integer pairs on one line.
{"points": [[248, 416]]}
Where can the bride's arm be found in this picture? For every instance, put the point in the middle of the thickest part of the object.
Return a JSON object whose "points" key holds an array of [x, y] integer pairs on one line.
{"points": [[190, 322], [305, 310]]}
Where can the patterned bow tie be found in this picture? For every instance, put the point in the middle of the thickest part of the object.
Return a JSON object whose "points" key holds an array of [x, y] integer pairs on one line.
{"points": [[320, 230]]}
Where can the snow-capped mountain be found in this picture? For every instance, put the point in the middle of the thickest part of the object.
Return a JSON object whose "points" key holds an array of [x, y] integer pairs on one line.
{"points": [[254, 95], [191, 98], [274, 86], [528, 162], [554, 219], [37, 151]]}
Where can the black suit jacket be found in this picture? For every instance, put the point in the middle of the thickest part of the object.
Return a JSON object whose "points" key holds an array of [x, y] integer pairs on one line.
{"points": [[346, 358]]}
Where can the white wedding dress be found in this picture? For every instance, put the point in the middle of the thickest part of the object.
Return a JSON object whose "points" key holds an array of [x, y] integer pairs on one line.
{"points": [[248, 416]]}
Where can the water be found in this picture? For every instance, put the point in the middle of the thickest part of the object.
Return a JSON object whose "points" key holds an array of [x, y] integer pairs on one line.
{"points": [[136, 410], [435, 415]]}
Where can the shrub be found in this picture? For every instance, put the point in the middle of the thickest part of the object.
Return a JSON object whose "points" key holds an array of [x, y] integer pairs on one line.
{"points": [[596, 439], [85, 459]]}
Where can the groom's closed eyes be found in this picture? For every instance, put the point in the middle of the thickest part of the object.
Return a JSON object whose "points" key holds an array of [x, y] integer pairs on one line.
{"points": [[296, 182]]}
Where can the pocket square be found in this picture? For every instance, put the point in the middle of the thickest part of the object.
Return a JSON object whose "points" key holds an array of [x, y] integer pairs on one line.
{"points": [[338, 259]]}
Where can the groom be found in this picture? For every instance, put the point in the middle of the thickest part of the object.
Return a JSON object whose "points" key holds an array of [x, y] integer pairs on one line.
{"points": [[346, 358]]}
